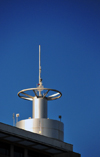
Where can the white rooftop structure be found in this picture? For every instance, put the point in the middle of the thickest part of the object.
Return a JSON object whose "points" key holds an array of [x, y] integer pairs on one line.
{"points": [[39, 123]]}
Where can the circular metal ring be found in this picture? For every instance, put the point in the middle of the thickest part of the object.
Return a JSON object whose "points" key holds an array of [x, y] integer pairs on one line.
{"points": [[26, 96]]}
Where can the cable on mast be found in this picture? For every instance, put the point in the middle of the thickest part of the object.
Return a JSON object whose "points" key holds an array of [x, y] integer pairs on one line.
{"points": [[39, 64], [40, 80]]}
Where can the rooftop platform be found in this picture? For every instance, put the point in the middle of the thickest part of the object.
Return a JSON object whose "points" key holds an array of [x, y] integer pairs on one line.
{"points": [[33, 140]]}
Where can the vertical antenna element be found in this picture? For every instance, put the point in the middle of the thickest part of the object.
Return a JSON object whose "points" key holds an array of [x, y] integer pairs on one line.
{"points": [[40, 80], [39, 64], [13, 119]]}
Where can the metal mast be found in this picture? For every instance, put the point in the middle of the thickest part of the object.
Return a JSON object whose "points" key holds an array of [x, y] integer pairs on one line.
{"points": [[40, 80], [39, 64]]}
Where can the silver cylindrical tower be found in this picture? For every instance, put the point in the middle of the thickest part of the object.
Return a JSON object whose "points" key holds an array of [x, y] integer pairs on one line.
{"points": [[40, 123], [39, 107]]}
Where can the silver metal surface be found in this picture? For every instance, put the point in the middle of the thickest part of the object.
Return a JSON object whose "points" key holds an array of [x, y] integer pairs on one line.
{"points": [[26, 96], [39, 108], [47, 127]]}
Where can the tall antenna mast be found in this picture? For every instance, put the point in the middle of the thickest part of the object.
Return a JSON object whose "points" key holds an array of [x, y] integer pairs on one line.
{"points": [[40, 65], [40, 80]]}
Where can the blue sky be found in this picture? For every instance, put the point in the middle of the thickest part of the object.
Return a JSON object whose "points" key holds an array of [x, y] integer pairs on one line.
{"points": [[69, 35]]}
